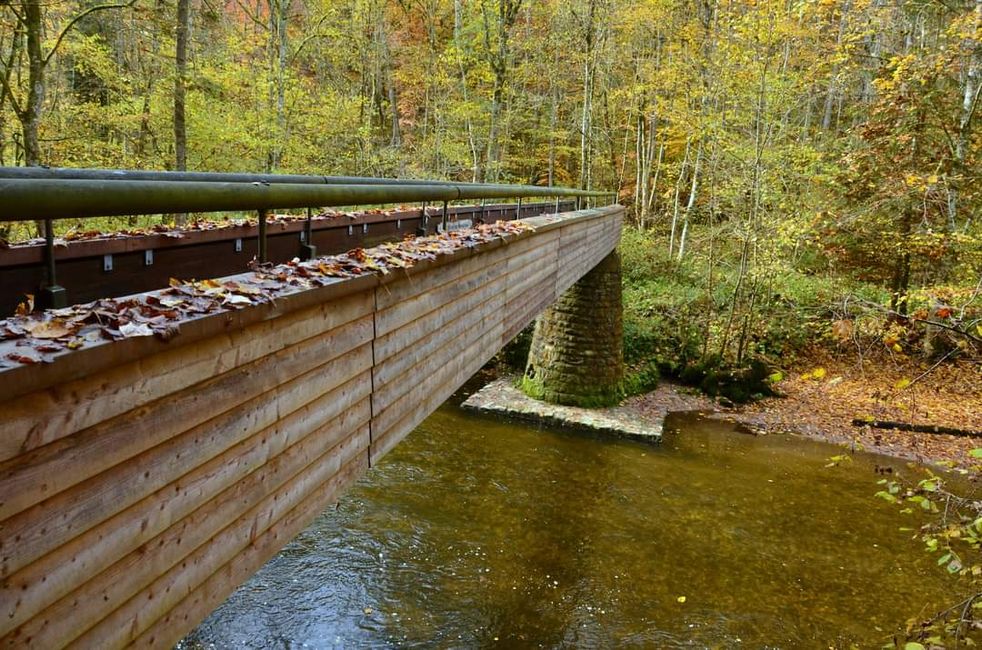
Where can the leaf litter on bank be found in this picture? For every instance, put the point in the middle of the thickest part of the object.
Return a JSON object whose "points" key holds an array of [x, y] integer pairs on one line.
{"points": [[159, 313]]}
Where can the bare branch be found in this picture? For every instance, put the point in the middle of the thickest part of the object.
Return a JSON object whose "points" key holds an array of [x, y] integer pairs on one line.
{"points": [[75, 20], [251, 15], [8, 68]]}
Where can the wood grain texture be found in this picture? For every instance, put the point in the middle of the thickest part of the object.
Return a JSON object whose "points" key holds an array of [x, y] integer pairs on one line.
{"points": [[133, 500], [166, 631], [229, 481], [76, 405]]}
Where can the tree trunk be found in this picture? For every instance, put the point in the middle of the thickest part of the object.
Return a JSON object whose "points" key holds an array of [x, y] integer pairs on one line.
{"points": [[30, 117], [180, 88], [471, 141], [277, 46], [693, 191], [970, 100], [180, 85], [586, 118], [675, 202], [833, 77]]}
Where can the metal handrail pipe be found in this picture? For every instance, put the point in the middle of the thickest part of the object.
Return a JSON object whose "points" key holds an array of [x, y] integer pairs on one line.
{"points": [[69, 173], [29, 199]]}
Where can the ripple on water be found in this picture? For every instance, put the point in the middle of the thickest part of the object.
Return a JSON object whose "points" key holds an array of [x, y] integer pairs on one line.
{"points": [[474, 531]]}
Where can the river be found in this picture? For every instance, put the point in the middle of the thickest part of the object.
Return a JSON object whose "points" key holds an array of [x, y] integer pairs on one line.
{"points": [[476, 532]]}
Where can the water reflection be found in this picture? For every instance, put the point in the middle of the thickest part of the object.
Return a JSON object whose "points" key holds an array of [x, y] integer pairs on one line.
{"points": [[476, 532]]}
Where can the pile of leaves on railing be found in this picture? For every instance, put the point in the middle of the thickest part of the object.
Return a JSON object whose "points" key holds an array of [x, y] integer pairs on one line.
{"points": [[158, 313], [198, 225]]}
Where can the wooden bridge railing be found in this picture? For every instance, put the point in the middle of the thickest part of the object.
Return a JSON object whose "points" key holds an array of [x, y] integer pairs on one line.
{"points": [[142, 480], [46, 194]]}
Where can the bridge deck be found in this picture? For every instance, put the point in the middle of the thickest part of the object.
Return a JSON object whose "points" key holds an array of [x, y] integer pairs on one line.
{"points": [[141, 481], [215, 251]]}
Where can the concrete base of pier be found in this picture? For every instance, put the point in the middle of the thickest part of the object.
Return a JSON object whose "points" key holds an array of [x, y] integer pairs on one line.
{"points": [[502, 397]]}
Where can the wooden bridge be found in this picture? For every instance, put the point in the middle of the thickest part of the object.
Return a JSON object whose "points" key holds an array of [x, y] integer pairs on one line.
{"points": [[142, 480]]}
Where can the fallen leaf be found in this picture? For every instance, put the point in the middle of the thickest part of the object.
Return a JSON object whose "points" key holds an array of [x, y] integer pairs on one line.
{"points": [[50, 329], [129, 330], [171, 301], [23, 358], [26, 307], [235, 299]]}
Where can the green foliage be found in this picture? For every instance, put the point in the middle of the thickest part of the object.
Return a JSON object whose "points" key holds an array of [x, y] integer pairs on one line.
{"points": [[514, 355], [533, 388], [673, 321], [951, 529], [640, 378]]}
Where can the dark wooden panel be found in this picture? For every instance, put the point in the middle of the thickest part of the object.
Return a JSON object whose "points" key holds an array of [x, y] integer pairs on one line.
{"points": [[211, 253]]}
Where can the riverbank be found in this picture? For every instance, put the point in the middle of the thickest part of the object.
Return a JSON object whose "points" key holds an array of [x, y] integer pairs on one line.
{"points": [[823, 395]]}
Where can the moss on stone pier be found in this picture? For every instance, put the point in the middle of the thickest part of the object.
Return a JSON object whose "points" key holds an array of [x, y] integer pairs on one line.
{"points": [[576, 358]]}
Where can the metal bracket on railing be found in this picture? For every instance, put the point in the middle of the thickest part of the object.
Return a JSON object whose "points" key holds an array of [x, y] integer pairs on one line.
{"points": [[423, 221], [556, 211], [51, 296], [262, 236], [307, 250], [518, 210], [482, 210], [446, 214]]}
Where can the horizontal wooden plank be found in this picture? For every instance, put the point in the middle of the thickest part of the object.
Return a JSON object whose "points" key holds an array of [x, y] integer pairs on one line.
{"points": [[53, 468], [66, 515], [427, 335], [450, 282], [421, 387], [82, 403], [404, 339], [525, 312], [182, 619], [39, 584], [162, 599], [538, 271], [401, 325], [392, 318], [437, 388], [457, 340], [97, 598], [401, 288]]}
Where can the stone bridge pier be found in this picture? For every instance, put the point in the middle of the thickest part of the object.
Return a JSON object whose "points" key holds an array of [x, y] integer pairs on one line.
{"points": [[576, 358]]}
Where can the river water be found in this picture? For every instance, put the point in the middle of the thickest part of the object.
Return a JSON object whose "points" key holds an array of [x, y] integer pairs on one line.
{"points": [[476, 532]]}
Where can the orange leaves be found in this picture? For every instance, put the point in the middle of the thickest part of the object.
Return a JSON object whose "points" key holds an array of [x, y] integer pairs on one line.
{"points": [[843, 330], [384, 258], [26, 307], [55, 328], [159, 313]]}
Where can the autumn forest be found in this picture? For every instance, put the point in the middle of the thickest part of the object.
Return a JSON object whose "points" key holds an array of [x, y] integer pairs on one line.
{"points": [[802, 179], [797, 172]]}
